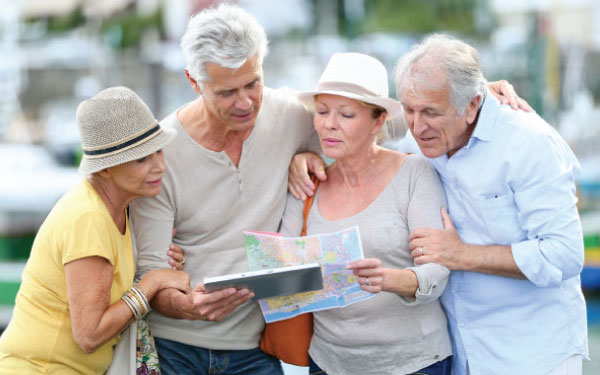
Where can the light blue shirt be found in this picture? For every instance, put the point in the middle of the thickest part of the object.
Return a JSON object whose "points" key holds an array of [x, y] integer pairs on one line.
{"points": [[514, 184]]}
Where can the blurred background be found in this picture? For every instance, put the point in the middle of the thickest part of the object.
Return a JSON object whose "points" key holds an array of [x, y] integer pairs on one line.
{"points": [[53, 54]]}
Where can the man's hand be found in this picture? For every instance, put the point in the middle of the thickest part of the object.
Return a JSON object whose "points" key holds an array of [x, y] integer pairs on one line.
{"points": [[299, 183], [506, 94], [215, 306], [442, 246]]}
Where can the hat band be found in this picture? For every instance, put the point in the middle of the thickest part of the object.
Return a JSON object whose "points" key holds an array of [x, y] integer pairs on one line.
{"points": [[348, 87], [151, 133]]}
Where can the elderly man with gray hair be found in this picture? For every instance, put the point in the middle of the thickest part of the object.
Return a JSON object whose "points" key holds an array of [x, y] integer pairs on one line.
{"points": [[513, 238], [227, 172]]}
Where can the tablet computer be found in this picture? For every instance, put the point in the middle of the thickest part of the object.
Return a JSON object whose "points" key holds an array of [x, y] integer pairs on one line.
{"points": [[272, 282]]}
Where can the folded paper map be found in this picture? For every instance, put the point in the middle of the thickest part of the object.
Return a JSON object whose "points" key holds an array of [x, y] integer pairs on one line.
{"points": [[332, 251]]}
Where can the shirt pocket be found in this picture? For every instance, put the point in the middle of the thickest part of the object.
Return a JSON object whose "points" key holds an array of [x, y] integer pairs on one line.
{"points": [[501, 220]]}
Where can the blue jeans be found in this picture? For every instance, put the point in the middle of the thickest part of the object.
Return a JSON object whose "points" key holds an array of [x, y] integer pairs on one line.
{"points": [[443, 367], [176, 358]]}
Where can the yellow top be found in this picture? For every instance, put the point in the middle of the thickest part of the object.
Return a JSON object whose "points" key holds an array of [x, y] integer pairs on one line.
{"points": [[39, 339]]}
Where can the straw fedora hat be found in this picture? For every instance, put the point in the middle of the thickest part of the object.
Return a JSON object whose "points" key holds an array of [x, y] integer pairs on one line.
{"points": [[116, 127], [355, 76]]}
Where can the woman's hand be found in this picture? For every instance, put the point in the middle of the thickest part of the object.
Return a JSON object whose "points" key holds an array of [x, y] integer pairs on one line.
{"points": [[370, 274], [374, 278], [506, 94], [157, 280], [176, 257], [175, 253], [299, 183]]}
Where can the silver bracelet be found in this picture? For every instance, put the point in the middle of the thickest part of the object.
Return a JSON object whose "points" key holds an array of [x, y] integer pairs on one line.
{"points": [[133, 306]]}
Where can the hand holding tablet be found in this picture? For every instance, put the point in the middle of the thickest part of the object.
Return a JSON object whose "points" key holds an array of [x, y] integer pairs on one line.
{"points": [[272, 282]]}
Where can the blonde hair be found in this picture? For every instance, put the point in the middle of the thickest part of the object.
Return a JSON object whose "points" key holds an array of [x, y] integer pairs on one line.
{"points": [[376, 112]]}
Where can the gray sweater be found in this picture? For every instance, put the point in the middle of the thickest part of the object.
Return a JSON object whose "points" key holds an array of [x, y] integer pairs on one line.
{"points": [[211, 202], [386, 334]]}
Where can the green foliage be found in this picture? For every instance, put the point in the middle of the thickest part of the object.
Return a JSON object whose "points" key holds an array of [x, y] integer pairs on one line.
{"points": [[420, 16], [127, 29], [60, 24]]}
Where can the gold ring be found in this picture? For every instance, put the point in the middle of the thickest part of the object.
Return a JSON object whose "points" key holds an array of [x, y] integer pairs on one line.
{"points": [[183, 260]]}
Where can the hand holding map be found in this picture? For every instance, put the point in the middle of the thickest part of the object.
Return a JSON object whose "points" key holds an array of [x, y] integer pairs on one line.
{"points": [[332, 251]]}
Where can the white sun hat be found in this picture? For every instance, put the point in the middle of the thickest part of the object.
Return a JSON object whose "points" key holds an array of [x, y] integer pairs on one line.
{"points": [[117, 127], [355, 76]]}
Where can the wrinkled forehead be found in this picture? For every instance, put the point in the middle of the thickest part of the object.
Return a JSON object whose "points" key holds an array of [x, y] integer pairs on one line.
{"points": [[423, 78], [421, 95], [228, 78]]}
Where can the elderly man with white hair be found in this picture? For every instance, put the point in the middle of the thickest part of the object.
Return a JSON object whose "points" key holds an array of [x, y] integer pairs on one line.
{"points": [[512, 237], [227, 172]]}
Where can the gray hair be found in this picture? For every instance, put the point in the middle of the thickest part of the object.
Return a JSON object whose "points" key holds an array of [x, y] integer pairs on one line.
{"points": [[227, 36], [458, 61]]}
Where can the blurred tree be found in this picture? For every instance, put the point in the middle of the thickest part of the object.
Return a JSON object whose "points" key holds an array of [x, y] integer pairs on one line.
{"points": [[420, 16], [62, 23], [127, 29]]}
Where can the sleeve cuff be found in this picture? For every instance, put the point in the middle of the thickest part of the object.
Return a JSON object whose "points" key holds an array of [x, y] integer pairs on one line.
{"points": [[536, 268], [432, 278]]}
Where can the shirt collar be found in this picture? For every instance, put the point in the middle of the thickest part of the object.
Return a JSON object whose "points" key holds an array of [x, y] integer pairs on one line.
{"points": [[486, 118]]}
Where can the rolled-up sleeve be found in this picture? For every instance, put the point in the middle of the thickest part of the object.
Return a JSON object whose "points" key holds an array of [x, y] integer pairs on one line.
{"points": [[547, 211]]}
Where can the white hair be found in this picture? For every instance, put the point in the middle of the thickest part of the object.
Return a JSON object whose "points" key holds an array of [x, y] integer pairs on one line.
{"points": [[454, 59], [227, 36]]}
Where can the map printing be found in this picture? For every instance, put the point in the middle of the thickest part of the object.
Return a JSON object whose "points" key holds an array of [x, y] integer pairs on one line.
{"points": [[332, 251]]}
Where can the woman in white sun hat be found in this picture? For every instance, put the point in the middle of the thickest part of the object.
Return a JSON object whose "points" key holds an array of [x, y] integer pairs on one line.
{"points": [[402, 329], [77, 292]]}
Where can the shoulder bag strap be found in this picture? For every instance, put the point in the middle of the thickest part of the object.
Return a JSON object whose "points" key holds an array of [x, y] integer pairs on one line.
{"points": [[308, 204]]}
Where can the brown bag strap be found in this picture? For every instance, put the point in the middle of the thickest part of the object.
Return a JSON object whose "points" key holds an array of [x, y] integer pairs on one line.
{"points": [[308, 204]]}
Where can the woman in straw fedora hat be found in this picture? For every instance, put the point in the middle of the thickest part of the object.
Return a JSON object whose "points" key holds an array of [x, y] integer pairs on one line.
{"points": [[402, 328], [77, 292]]}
